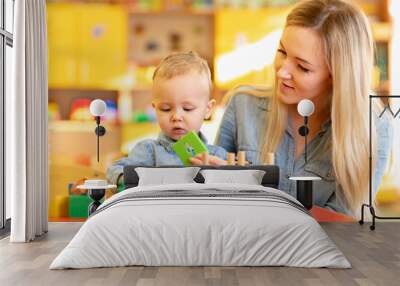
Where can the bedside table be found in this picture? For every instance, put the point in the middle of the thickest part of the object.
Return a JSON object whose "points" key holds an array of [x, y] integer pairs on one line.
{"points": [[96, 191], [304, 190]]}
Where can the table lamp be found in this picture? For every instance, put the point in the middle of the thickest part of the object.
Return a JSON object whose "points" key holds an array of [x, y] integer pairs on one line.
{"points": [[97, 108], [97, 187], [305, 108], [304, 185]]}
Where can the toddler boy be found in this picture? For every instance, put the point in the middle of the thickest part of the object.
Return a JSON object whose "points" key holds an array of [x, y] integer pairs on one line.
{"points": [[182, 100]]}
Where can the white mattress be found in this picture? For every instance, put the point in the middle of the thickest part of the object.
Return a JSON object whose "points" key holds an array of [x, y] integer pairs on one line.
{"points": [[189, 230]]}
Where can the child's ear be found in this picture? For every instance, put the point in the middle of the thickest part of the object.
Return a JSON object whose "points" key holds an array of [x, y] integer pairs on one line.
{"points": [[210, 105]]}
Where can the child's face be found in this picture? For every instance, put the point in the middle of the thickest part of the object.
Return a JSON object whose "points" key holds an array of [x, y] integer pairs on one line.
{"points": [[182, 103]]}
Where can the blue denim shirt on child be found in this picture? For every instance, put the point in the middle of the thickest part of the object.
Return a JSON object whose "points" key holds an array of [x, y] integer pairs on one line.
{"points": [[155, 153], [243, 125]]}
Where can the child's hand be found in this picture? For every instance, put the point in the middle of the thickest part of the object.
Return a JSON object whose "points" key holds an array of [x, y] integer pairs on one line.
{"points": [[212, 160]]}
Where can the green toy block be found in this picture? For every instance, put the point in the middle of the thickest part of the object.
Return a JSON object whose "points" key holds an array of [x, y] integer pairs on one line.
{"points": [[120, 187], [78, 206], [188, 146]]}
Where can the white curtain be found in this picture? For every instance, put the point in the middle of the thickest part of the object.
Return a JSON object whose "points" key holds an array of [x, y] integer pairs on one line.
{"points": [[26, 121]]}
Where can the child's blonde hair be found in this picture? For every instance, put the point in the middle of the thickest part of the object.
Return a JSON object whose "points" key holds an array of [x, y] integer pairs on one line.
{"points": [[182, 63]]}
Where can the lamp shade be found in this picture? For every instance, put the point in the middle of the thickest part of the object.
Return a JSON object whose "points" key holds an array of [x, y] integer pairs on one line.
{"points": [[97, 107], [305, 107]]}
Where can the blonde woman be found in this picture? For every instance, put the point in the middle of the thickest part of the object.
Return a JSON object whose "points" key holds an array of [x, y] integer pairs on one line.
{"points": [[325, 55]]}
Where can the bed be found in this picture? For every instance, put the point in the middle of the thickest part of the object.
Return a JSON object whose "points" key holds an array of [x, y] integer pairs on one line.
{"points": [[201, 224]]}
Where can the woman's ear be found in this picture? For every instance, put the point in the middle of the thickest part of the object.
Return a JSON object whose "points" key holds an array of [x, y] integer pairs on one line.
{"points": [[210, 105]]}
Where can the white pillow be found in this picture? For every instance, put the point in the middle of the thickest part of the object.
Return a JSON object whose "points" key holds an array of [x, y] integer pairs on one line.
{"points": [[166, 176], [249, 177]]}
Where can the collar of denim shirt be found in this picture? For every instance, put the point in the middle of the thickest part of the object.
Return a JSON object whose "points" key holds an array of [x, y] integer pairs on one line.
{"points": [[167, 142]]}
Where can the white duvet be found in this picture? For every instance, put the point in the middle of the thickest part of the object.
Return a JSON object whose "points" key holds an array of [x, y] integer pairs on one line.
{"points": [[206, 230]]}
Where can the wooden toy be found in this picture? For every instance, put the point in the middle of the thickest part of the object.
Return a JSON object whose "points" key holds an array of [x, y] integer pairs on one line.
{"points": [[231, 159], [205, 158], [241, 158], [270, 160]]}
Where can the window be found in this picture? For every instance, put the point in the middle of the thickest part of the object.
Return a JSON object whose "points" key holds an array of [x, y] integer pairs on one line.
{"points": [[9, 16], [6, 60]]}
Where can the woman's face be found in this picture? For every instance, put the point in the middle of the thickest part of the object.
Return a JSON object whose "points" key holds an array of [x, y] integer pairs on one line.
{"points": [[300, 67]]}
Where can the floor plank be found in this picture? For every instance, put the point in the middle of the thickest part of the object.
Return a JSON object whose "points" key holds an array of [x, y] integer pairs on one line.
{"points": [[374, 255]]}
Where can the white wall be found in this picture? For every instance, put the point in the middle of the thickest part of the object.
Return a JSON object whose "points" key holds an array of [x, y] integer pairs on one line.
{"points": [[395, 83]]}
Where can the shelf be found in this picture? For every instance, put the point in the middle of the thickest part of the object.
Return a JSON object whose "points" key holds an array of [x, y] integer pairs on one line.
{"points": [[177, 12], [79, 126], [80, 89], [141, 88]]}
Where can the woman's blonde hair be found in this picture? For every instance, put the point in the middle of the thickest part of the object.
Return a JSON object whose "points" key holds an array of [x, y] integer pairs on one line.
{"points": [[348, 48]]}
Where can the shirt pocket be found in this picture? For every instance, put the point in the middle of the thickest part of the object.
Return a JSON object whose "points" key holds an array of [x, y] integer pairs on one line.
{"points": [[321, 169]]}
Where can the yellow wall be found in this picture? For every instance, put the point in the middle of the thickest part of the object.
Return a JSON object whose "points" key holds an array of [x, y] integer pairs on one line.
{"points": [[87, 45], [252, 25]]}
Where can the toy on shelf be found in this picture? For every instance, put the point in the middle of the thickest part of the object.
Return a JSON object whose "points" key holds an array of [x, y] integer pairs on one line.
{"points": [[111, 111], [83, 159], [80, 110], [54, 111], [140, 116], [146, 115], [78, 206]]}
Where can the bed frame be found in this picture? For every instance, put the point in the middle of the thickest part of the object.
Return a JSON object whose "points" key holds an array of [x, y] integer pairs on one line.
{"points": [[270, 179]]}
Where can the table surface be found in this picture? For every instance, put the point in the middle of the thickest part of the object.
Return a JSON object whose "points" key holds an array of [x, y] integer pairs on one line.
{"points": [[325, 215], [309, 178]]}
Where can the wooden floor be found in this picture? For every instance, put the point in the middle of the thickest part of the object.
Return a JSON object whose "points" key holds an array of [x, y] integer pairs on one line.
{"points": [[374, 255]]}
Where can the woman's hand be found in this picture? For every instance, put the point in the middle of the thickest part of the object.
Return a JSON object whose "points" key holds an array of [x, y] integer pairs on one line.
{"points": [[212, 160]]}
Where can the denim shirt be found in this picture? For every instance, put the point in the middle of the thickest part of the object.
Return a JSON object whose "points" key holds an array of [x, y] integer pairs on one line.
{"points": [[155, 153], [243, 126]]}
